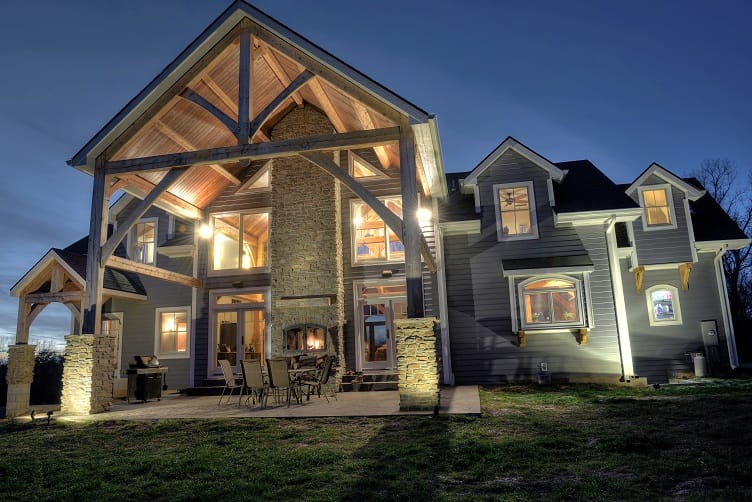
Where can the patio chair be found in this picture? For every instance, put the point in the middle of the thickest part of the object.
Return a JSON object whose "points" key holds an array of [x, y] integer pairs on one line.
{"points": [[230, 383], [320, 381], [253, 381], [279, 379]]}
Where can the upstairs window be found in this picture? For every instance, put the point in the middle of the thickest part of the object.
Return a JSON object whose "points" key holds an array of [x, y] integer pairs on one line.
{"points": [[551, 302], [373, 241], [515, 211], [658, 207], [144, 243], [364, 170], [240, 241], [663, 305]]}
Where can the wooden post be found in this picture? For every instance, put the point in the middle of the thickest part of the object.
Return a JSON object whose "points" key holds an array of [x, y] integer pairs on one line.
{"points": [[244, 88], [411, 232], [92, 316], [22, 327]]}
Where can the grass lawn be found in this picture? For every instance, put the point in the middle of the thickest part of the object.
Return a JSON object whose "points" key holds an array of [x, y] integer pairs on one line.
{"points": [[561, 442]]}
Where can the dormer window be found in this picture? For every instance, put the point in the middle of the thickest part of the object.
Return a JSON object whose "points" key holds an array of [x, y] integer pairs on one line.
{"points": [[658, 207], [515, 211]]}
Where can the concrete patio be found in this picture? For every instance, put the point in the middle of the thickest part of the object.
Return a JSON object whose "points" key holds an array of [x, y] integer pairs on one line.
{"points": [[462, 400]]}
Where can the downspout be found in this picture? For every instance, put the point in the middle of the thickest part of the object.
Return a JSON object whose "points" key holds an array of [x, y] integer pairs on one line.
{"points": [[446, 353], [728, 323], [194, 303], [622, 323]]}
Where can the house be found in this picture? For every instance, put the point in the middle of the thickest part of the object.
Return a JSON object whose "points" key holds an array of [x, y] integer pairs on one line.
{"points": [[553, 268], [279, 202]]}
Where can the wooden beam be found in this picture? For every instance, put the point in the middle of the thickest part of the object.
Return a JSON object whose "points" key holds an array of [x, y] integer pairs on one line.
{"points": [[219, 92], [411, 227], [92, 318], [391, 220], [278, 71], [639, 272], [125, 226], [57, 278], [366, 120], [61, 297], [76, 311], [196, 98], [36, 309], [274, 105], [119, 263], [326, 104], [268, 150], [244, 88], [178, 139], [114, 185], [684, 270], [175, 204], [22, 328]]}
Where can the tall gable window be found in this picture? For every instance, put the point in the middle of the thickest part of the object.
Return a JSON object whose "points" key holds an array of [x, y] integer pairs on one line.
{"points": [[663, 305], [515, 211], [658, 207], [144, 241], [551, 302], [240, 241], [373, 241]]}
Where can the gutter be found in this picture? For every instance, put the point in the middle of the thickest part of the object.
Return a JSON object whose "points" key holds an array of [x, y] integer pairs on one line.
{"points": [[728, 323]]}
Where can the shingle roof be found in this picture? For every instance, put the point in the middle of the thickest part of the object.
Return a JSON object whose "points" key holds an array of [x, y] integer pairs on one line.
{"points": [[709, 221], [457, 206], [586, 188]]}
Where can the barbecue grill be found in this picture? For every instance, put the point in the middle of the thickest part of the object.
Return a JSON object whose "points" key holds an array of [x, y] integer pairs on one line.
{"points": [[145, 379]]}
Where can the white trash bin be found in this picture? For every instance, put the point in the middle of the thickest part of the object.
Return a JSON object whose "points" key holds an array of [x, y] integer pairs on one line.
{"points": [[701, 364]]}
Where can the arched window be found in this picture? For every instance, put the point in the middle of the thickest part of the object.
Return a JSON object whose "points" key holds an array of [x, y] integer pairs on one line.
{"points": [[663, 305], [549, 302]]}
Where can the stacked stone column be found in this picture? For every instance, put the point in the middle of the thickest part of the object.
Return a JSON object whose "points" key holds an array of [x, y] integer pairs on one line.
{"points": [[417, 363], [88, 374], [19, 377]]}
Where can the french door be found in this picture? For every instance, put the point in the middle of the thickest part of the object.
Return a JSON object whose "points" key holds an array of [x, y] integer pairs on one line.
{"points": [[378, 305], [239, 328]]}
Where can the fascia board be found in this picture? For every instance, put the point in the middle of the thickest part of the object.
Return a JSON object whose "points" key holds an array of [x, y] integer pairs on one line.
{"points": [[669, 177], [510, 143]]}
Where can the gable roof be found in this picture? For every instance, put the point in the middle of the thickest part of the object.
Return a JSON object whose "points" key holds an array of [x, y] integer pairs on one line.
{"points": [[693, 193], [200, 46], [587, 188], [512, 144], [709, 220]]}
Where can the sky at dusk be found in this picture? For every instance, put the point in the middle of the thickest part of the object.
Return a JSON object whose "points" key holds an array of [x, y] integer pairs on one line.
{"points": [[622, 84]]}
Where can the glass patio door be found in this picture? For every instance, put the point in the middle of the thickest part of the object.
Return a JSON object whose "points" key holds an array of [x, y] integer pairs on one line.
{"points": [[238, 327], [379, 305]]}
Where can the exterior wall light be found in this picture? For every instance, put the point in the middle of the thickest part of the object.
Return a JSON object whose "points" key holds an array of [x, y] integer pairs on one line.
{"points": [[424, 215], [205, 231]]}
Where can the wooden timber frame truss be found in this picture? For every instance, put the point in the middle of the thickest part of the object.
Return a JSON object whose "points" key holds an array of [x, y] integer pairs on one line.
{"points": [[111, 175]]}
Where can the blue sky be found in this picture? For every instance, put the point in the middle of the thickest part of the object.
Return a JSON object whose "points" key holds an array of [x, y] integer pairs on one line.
{"points": [[620, 83]]}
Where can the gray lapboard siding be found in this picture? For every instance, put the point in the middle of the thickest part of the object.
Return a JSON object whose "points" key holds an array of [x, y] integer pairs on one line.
{"points": [[659, 352], [484, 348], [139, 316], [664, 245]]}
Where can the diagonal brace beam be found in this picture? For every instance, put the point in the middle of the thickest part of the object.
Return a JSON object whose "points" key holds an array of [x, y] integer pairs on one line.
{"points": [[169, 178], [199, 100], [393, 221], [272, 107]]}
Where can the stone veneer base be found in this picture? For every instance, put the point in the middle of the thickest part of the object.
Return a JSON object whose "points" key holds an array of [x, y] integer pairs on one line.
{"points": [[19, 377], [88, 374], [417, 363]]}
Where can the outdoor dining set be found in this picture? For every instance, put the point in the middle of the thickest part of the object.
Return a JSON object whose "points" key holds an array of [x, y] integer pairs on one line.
{"points": [[288, 377]]}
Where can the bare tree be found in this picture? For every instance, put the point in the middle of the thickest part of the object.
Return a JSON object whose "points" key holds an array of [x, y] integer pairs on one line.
{"points": [[734, 194]]}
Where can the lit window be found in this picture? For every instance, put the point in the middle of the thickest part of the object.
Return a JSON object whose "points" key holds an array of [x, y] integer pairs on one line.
{"points": [[551, 302], [259, 181], [373, 240], [240, 241], [515, 211], [658, 206], [145, 242], [360, 168], [663, 305], [172, 331]]}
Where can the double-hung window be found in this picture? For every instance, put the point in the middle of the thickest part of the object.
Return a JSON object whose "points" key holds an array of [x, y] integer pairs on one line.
{"points": [[173, 331], [240, 241], [551, 302], [515, 211], [658, 207]]}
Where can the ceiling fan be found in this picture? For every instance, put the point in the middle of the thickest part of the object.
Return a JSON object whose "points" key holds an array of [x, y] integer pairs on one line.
{"points": [[509, 199]]}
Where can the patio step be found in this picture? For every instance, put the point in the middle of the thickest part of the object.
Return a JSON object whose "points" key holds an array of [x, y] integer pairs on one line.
{"points": [[370, 381]]}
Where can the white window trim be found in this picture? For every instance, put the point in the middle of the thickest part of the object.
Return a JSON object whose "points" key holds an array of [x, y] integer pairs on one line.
{"points": [[247, 186], [158, 334], [380, 175], [353, 255], [677, 306], [533, 216], [131, 245], [237, 271], [583, 315], [669, 200]]}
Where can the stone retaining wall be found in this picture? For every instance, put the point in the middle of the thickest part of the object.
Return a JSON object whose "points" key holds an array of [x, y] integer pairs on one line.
{"points": [[88, 374], [417, 363]]}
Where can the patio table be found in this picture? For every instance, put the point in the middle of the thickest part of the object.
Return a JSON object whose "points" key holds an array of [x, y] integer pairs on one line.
{"points": [[295, 376]]}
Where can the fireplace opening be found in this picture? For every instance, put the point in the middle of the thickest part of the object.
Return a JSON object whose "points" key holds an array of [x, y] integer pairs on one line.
{"points": [[305, 338]]}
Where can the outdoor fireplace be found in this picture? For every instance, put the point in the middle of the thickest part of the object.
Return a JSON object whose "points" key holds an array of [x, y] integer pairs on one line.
{"points": [[305, 338]]}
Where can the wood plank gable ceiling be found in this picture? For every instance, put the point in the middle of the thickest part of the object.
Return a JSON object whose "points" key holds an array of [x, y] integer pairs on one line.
{"points": [[203, 114]]}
